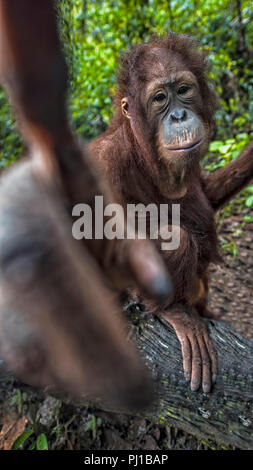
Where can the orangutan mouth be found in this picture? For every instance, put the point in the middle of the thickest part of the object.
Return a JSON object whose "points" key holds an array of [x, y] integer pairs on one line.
{"points": [[185, 147]]}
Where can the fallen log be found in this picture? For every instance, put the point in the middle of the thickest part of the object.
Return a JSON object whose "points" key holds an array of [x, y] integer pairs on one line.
{"points": [[224, 415]]}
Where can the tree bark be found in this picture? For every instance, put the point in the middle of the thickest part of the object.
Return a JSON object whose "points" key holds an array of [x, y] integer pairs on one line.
{"points": [[242, 40], [225, 415]]}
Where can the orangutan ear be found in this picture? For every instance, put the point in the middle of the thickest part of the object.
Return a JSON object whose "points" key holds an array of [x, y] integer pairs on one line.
{"points": [[125, 108]]}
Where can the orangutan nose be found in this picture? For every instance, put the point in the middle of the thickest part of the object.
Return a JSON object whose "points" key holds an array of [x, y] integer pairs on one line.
{"points": [[178, 115]]}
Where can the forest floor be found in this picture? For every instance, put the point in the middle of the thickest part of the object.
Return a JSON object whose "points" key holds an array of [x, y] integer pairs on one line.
{"points": [[68, 427]]}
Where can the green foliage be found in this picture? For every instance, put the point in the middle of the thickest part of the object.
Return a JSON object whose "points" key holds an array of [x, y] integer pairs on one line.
{"points": [[229, 247], [92, 425], [18, 400], [37, 443], [41, 442], [22, 439], [94, 32], [33, 437], [10, 141], [249, 198], [222, 152]]}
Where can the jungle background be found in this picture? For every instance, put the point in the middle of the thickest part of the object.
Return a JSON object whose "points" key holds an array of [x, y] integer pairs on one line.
{"points": [[94, 32]]}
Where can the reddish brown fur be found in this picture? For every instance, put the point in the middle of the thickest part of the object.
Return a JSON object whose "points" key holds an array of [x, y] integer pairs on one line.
{"points": [[129, 157], [137, 175]]}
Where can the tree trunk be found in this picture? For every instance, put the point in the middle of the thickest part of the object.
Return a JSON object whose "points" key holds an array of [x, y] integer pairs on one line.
{"points": [[242, 41]]}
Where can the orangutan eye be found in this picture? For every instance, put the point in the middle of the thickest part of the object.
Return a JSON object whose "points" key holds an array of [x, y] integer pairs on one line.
{"points": [[159, 97], [183, 89]]}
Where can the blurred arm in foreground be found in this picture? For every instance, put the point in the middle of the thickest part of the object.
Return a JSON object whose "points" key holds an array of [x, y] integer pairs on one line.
{"points": [[59, 324]]}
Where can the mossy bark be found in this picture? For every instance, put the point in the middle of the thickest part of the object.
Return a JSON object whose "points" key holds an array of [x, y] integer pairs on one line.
{"points": [[226, 414]]}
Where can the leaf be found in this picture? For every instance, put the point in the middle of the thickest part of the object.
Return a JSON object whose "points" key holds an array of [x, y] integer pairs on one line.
{"points": [[88, 425], [224, 149], [242, 136], [214, 146], [249, 201], [21, 439], [92, 425], [248, 218], [41, 442]]}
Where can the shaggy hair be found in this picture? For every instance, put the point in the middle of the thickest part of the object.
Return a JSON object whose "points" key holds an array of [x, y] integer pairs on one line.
{"points": [[131, 68]]}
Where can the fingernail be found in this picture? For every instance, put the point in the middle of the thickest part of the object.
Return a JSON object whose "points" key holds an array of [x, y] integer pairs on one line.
{"points": [[206, 387], [187, 376], [194, 386], [162, 287]]}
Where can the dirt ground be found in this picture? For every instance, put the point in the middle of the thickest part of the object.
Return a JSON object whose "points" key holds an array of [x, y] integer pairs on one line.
{"points": [[68, 427]]}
